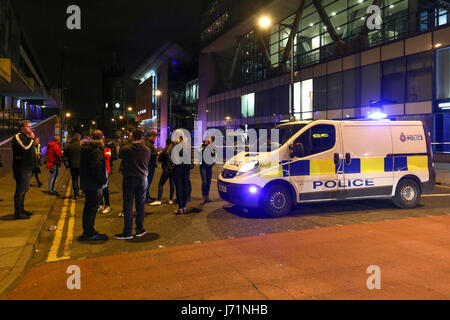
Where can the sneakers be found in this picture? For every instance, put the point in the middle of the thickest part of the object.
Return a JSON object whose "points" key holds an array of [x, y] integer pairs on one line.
{"points": [[140, 233], [76, 197], [123, 236], [106, 210], [156, 203], [170, 202], [101, 208], [95, 237]]}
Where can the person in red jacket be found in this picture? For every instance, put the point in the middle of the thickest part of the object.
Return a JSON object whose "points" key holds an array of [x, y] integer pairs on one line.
{"points": [[106, 206], [54, 156]]}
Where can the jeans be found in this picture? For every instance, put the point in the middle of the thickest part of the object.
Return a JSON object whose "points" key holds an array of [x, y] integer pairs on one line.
{"points": [[23, 180], [151, 173], [182, 182], [206, 174], [134, 188], [106, 197], [162, 181], [52, 178], [75, 172], [91, 205]]}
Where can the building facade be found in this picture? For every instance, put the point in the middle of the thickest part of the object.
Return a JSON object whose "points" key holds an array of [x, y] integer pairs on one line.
{"points": [[166, 98], [119, 99], [343, 67], [24, 93]]}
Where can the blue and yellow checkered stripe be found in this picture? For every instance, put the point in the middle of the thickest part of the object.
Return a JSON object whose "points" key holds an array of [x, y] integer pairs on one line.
{"points": [[357, 165]]}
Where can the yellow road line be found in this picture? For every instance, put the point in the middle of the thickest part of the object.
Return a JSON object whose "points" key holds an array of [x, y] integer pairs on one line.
{"points": [[53, 254], [70, 227]]}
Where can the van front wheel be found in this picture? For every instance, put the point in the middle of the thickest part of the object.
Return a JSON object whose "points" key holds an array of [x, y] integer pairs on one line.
{"points": [[277, 201], [407, 195]]}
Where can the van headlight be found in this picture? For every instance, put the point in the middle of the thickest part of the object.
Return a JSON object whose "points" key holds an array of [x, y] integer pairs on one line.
{"points": [[248, 167]]}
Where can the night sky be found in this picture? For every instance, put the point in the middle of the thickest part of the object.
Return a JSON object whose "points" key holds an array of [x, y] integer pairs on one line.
{"points": [[131, 28]]}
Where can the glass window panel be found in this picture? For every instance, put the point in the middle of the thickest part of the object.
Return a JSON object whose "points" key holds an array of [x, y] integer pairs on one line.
{"points": [[443, 73], [370, 84], [320, 94], [420, 77], [284, 100], [394, 81], [297, 97], [307, 95], [334, 90], [351, 88]]}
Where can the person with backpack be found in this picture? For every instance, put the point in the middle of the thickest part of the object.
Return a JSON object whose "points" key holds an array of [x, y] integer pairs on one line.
{"points": [[54, 159], [167, 174]]}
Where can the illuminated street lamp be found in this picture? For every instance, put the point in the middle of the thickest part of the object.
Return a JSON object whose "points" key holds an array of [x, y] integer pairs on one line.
{"points": [[158, 93], [68, 115], [130, 109], [264, 22], [121, 117]]}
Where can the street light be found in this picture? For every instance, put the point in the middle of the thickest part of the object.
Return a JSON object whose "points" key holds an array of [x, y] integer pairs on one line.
{"points": [[158, 93], [68, 115], [265, 23]]}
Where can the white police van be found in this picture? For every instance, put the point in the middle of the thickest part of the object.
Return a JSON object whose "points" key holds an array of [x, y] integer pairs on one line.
{"points": [[333, 160]]}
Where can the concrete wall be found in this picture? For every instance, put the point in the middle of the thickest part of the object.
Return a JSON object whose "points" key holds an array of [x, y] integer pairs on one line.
{"points": [[44, 130]]}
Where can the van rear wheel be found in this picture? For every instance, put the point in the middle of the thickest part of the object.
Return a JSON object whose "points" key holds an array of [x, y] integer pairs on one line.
{"points": [[277, 201], [407, 195]]}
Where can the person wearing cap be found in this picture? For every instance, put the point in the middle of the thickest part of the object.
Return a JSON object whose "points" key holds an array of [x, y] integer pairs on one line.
{"points": [[150, 143]]}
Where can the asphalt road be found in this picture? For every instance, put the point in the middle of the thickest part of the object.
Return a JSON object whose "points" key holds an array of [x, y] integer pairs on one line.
{"points": [[214, 221]]}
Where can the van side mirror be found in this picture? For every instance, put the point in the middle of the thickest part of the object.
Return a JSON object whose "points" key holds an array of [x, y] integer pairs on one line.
{"points": [[299, 150]]}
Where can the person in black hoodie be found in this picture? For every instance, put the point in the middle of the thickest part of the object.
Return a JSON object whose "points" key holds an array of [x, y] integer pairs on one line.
{"points": [[24, 159], [167, 174], [135, 159], [93, 180]]}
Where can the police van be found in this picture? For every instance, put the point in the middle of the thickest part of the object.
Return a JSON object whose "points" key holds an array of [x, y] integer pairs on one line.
{"points": [[333, 160]]}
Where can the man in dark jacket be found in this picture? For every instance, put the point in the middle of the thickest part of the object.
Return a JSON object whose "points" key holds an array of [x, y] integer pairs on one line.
{"points": [[72, 155], [93, 179], [135, 159], [23, 164], [150, 143]]}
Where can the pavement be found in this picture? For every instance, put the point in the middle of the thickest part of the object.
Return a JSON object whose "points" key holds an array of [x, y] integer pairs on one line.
{"points": [[241, 261], [410, 257], [19, 238], [443, 173]]}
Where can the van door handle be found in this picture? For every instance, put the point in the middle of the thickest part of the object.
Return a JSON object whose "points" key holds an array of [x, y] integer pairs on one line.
{"points": [[336, 158], [348, 159]]}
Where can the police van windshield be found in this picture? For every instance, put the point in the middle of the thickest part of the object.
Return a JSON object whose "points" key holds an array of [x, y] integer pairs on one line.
{"points": [[285, 132]]}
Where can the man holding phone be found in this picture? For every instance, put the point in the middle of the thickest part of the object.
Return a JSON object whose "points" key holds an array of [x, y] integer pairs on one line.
{"points": [[23, 164]]}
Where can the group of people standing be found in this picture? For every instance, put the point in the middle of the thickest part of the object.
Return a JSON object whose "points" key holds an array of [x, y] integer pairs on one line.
{"points": [[91, 162]]}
